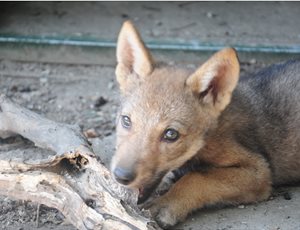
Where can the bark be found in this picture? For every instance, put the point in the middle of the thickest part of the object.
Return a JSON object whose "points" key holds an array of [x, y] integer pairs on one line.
{"points": [[66, 176]]}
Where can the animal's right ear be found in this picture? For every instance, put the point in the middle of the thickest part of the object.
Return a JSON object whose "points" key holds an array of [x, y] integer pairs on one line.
{"points": [[214, 82], [132, 55]]}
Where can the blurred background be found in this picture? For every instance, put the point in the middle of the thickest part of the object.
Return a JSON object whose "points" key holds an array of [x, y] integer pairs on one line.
{"points": [[82, 32]]}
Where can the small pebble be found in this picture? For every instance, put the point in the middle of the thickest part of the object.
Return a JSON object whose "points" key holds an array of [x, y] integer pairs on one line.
{"points": [[241, 206], [156, 33], [110, 85], [25, 89], [158, 23], [210, 14], [287, 196], [90, 133], [100, 101], [124, 15], [252, 61], [46, 72], [43, 80]]}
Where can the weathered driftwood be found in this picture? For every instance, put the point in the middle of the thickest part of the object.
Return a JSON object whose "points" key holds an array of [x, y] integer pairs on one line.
{"points": [[67, 176]]}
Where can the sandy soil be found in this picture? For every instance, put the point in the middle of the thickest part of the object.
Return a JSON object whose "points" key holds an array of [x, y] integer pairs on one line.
{"points": [[87, 95]]}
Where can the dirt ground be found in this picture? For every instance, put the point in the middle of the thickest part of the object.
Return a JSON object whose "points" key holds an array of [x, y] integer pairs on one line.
{"points": [[88, 96]]}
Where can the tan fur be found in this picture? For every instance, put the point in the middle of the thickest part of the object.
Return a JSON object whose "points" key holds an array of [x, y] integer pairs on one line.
{"points": [[224, 68], [132, 55], [161, 97]]}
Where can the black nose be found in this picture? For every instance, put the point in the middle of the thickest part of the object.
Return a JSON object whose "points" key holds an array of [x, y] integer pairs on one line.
{"points": [[124, 176]]}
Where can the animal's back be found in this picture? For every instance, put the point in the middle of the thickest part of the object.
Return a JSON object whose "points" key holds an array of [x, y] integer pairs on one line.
{"points": [[265, 118]]}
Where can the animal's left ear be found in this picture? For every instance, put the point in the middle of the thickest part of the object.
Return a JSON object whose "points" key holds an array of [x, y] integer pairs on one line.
{"points": [[214, 81], [132, 55]]}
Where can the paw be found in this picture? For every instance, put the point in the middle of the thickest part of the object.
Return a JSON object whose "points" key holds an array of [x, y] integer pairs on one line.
{"points": [[165, 213], [166, 218], [166, 183]]}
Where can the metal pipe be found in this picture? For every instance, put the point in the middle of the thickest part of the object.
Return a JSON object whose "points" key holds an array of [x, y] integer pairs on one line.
{"points": [[179, 46]]}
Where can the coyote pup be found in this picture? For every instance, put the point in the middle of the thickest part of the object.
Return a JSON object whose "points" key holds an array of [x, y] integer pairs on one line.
{"points": [[227, 142]]}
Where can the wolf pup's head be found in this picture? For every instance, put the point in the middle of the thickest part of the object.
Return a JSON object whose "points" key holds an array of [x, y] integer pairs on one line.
{"points": [[165, 111]]}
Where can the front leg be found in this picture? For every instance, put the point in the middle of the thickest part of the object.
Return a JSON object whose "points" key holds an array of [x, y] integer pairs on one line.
{"points": [[230, 185]]}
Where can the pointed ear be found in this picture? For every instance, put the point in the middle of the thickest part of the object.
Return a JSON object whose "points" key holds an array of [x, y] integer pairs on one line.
{"points": [[132, 55], [214, 82]]}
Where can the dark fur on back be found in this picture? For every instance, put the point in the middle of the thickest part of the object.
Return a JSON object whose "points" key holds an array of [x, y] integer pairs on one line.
{"points": [[266, 117]]}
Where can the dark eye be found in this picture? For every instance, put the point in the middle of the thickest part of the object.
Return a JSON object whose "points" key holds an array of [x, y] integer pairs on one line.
{"points": [[170, 135], [126, 122]]}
